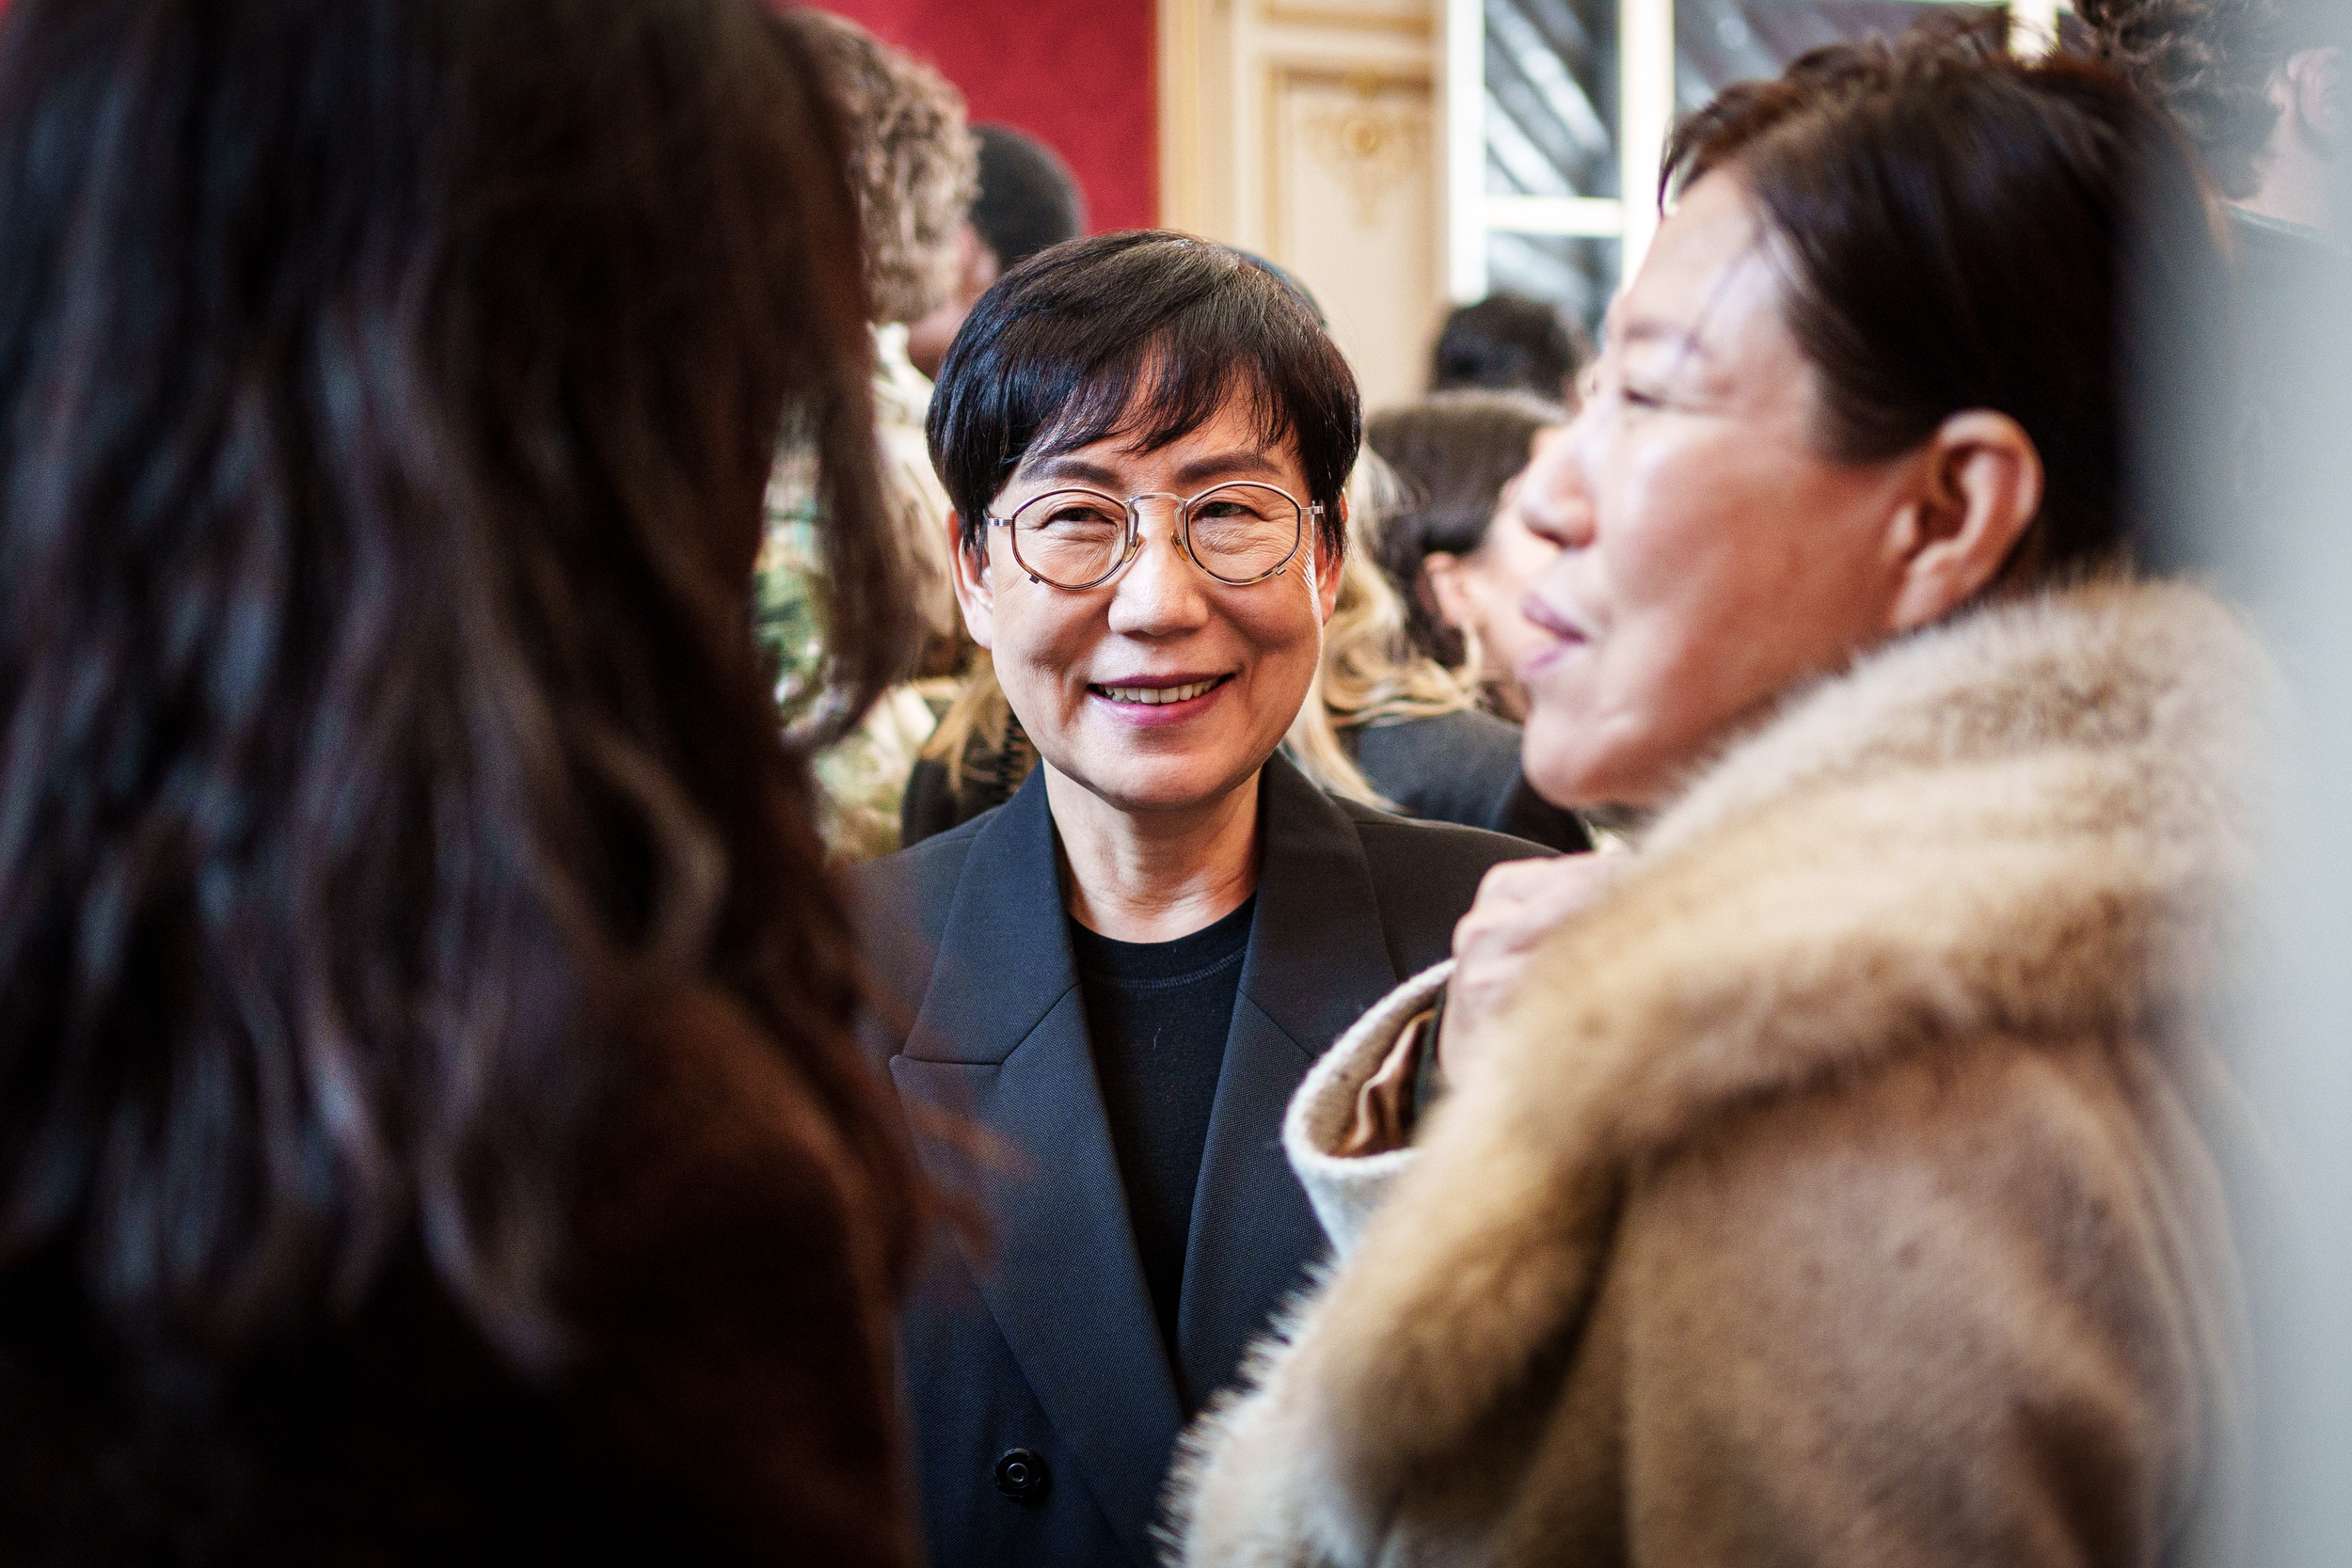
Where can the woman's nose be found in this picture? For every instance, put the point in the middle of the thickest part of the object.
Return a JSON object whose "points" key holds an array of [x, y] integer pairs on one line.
{"points": [[1552, 495], [1160, 591]]}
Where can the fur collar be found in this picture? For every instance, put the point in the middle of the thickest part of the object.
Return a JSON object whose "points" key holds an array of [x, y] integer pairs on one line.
{"points": [[2020, 821]]}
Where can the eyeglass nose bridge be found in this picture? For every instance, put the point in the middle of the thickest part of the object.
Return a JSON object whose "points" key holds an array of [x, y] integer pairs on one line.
{"points": [[1180, 526]]}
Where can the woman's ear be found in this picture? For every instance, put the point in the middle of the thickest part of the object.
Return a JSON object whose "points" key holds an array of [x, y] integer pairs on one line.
{"points": [[1447, 590], [974, 591], [1979, 485], [2309, 92]]}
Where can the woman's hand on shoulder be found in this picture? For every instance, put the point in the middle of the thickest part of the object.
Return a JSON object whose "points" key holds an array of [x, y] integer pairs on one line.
{"points": [[1519, 903]]}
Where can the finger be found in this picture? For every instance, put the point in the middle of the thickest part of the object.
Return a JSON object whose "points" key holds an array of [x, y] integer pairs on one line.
{"points": [[1582, 885], [1514, 880], [1538, 895]]}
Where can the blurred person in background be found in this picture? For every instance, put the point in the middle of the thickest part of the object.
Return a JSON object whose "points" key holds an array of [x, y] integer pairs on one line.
{"points": [[976, 758], [912, 166], [2264, 88], [1508, 343], [1457, 552], [1028, 200], [1121, 974], [1820, 1182], [433, 1129], [1386, 726]]}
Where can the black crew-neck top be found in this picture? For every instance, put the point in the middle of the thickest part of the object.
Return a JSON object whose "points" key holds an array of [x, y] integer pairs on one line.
{"points": [[1157, 1013]]}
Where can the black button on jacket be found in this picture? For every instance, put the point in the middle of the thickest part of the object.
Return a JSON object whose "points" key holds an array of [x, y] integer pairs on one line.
{"points": [[1044, 1341]]}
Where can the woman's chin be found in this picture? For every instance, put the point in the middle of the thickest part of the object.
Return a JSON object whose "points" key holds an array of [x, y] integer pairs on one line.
{"points": [[1567, 765], [1162, 786]]}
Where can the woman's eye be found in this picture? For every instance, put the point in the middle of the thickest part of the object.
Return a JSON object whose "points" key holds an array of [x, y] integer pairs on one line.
{"points": [[1641, 397], [1078, 517]]}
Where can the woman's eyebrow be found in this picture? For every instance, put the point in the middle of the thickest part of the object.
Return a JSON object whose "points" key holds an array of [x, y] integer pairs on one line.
{"points": [[1071, 467], [1240, 461]]}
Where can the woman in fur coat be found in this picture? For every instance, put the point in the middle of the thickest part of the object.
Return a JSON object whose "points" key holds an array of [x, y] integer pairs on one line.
{"points": [[1817, 1182]]}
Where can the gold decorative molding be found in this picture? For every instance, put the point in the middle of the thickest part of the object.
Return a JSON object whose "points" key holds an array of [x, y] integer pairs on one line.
{"points": [[1181, 157], [1374, 142], [1194, 122], [1285, 15]]}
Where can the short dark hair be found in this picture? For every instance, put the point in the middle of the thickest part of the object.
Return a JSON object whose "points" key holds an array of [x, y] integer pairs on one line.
{"points": [[1028, 197], [1507, 342], [1146, 333], [1454, 453], [2210, 63], [1962, 229]]}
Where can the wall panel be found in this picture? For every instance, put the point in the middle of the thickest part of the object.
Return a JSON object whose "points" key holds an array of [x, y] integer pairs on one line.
{"points": [[1308, 132]]}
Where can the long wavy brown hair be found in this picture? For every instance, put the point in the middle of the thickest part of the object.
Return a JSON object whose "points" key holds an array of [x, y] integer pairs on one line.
{"points": [[386, 388]]}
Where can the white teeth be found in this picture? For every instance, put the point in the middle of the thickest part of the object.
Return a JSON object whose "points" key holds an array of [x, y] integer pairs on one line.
{"points": [[1153, 696]]}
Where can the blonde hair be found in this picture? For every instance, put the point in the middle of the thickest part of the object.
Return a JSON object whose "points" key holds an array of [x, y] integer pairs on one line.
{"points": [[978, 713], [1368, 673]]}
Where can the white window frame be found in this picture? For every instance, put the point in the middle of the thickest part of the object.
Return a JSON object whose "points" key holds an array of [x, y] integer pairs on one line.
{"points": [[1646, 84]]}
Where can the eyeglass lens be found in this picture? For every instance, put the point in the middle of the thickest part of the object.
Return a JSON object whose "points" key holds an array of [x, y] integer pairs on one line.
{"points": [[1238, 533]]}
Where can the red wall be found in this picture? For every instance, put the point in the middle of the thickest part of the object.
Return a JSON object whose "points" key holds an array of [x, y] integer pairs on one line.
{"points": [[1076, 73]]}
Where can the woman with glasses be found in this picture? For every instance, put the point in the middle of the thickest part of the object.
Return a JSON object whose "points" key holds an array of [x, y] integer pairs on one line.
{"points": [[1123, 974]]}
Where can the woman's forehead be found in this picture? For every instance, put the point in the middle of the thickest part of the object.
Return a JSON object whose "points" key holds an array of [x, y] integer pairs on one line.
{"points": [[1707, 278], [1233, 438]]}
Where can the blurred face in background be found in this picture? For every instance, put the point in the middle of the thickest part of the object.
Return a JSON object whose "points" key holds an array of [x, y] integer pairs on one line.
{"points": [[1711, 558], [1481, 592], [1162, 690]]}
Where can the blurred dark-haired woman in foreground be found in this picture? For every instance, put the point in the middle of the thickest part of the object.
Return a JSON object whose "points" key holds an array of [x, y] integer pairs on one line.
{"points": [[1818, 1183], [429, 1125]]}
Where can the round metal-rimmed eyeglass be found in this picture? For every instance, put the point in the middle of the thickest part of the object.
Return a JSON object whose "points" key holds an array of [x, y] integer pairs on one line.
{"points": [[1238, 533]]}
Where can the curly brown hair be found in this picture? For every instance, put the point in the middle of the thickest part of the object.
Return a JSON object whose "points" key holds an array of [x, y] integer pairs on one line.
{"points": [[2210, 63], [913, 161]]}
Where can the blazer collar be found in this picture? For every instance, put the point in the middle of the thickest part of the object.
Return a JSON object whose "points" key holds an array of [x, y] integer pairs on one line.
{"points": [[1319, 957], [1003, 955], [1318, 954]]}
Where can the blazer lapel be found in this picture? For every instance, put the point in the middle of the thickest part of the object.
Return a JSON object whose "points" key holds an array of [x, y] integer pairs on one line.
{"points": [[1318, 960], [1000, 1041]]}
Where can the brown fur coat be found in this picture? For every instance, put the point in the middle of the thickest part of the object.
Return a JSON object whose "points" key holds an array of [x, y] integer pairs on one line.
{"points": [[1835, 1195]]}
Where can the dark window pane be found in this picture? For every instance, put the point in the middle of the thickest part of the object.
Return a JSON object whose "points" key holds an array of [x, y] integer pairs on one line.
{"points": [[1718, 42], [1551, 97]]}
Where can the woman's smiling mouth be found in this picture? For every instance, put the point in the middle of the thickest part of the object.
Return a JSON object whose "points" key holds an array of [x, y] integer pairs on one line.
{"points": [[1159, 695]]}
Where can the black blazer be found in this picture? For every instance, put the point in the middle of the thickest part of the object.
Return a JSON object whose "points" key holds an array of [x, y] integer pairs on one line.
{"points": [[1044, 1409]]}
